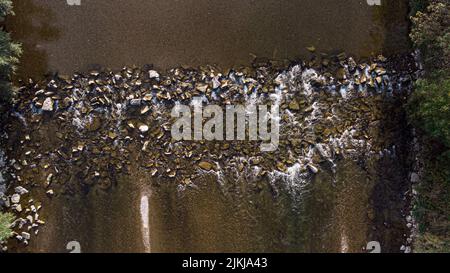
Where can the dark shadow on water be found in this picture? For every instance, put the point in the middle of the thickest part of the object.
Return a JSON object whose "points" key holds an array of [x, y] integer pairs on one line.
{"points": [[33, 26], [390, 195], [394, 27]]}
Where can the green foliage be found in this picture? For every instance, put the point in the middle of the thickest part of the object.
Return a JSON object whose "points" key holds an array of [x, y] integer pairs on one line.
{"points": [[432, 209], [431, 34], [429, 106], [9, 56], [6, 220], [5, 8], [429, 110]]}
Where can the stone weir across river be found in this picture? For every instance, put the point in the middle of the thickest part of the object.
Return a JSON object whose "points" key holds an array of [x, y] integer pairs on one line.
{"points": [[94, 156]]}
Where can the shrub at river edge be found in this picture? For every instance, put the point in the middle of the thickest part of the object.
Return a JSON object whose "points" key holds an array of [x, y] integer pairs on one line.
{"points": [[5, 222], [9, 54], [9, 57], [429, 111]]}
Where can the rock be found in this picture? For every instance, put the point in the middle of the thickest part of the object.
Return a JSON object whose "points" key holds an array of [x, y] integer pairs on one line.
{"points": [[94, 125], [49, 180], [50, 192], [341, 74], [293, 105], [206, 165], [187, 181], [135, 102], [15, 198], [172, 173], [18, 208], [313, 168], [21, 190], [311, 49], [153, 74], [66, 102], [112, 135], [26, 235], [409, 219], [7, 202], [281, 167], [324, 151], [408, 249], [148, 97], [143, 128], [145, 110], [47, 105], [415, 178], [216, 82]]}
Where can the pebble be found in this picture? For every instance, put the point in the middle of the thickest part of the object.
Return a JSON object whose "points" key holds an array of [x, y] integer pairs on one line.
{"points": [[20, 190], [47, 105], [143, 128], [15, 198], [207, 166], [415, 178], [153, 74]]}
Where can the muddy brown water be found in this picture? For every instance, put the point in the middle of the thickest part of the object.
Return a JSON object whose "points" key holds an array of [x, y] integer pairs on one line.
{"points": [[112, 33], [336, 212]]}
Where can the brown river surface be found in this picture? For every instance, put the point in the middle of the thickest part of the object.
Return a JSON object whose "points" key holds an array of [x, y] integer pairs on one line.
{"points": [[337, 212]]}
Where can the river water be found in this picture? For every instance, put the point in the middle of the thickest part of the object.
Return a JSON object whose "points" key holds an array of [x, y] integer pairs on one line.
{"points": [[113, 33], [340, 210]]}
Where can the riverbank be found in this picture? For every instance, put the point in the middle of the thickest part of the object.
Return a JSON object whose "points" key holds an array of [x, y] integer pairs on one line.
{"points": [[9, 53], [429, 112]]}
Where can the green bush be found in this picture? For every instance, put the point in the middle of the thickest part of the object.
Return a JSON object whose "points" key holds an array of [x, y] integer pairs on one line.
{"points": [[431, 34], [9, 56], [429, 106], [5, 222], [429, 110]]}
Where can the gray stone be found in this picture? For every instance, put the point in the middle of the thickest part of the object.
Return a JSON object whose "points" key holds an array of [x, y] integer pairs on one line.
{"points": [[15, 198], [19, 208], [415, 178], [21, 190], [48, 105], [313, 168], [26, 235], [143, 128], [135, 102], [153, 74]]}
